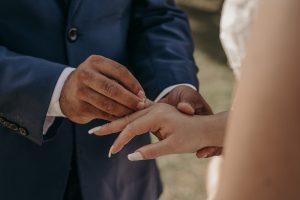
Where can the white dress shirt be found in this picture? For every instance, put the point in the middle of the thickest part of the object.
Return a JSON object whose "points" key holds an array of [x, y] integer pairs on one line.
{"points": [[54, 109]]}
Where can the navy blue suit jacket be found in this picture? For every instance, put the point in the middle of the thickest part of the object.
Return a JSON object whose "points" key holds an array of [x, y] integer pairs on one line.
{"points": [[151, 37]]}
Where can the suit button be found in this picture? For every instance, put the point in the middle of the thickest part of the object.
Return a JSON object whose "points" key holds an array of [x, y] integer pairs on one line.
{"points": [[73, 34], [23, 132]]}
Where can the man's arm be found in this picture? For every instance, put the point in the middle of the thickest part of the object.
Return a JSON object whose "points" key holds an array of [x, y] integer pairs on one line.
{"points": [[160, 46], [26, 87], [161, 52]]}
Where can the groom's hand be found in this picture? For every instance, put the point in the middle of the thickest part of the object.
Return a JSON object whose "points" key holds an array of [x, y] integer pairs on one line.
{"points": [[100, 89], [187, 100], [190, 102]]}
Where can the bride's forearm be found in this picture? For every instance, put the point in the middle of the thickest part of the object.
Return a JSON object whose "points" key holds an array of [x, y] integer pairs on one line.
{"points": [[213, 127]]}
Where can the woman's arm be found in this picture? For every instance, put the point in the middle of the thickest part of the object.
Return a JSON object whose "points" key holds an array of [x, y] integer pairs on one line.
{"points": [[262, 155], [177, 132]]}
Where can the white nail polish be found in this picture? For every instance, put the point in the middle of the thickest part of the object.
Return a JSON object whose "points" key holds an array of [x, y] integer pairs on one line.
{"points": [[136, 156], [110, 150], [93, 130]]}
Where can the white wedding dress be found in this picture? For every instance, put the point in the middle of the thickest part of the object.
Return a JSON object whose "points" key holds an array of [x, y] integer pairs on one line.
{"points": [[237, 17]]}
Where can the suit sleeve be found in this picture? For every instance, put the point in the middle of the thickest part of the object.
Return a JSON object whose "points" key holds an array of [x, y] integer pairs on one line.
{"points": [[26, 87], [160, 46]]}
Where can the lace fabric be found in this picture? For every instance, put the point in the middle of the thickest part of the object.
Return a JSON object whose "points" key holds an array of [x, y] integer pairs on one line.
{"points": [[237, 17]]}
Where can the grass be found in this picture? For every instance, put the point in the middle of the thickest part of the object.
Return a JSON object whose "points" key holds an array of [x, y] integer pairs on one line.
{"points": [[184, 175]]}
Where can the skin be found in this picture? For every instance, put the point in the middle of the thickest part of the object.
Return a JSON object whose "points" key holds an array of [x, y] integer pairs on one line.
{"points": [[263, 132], [100, 89], [104, 89], [262, 147], [190, 102], [177, 132]]}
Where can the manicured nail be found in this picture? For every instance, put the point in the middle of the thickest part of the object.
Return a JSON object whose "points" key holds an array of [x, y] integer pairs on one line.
{"points": [[136, 156], [206, 156], [141, 94], [141, 105], [93, 130], [110, 151]]}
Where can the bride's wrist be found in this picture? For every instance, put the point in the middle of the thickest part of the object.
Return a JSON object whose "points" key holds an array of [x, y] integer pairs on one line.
{"points": [[212, 128]]}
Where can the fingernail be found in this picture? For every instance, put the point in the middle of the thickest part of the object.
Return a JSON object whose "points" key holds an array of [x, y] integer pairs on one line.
{"points": [[136, 156], [206, 156], [110, 151], [141, 105], [93, 130], [141, 94]]}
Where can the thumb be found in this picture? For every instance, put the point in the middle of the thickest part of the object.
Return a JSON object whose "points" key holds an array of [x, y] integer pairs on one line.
{"points": [[189, 103], [186, 108], [209, 152], [150, 151]]}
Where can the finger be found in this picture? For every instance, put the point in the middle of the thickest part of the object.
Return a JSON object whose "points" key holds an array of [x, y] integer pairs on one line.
{"points": [[206, 152], [117, 125], [139, 126], [151, 151], [115, 91], [148, 103], [186, 108], [219, 151], [196, 101], [105, 104], [204, 109], [118, 72], [190, 100], [164, 100], [89, 112]]}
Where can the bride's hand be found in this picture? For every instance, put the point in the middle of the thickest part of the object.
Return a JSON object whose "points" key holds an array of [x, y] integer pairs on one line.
{"points": [[177, 132]]}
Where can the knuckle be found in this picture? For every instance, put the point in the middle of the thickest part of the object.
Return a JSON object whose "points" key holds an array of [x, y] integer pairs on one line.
{"points": [[107, 105], [118, 70], [84, 75], [82, 120], [127, 119], [110, 88], [136, 87], [94, 58], [81, 93]]}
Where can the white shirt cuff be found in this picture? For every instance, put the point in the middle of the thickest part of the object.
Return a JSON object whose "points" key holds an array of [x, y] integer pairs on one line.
{"points": [[169, 89], [54, 109]]}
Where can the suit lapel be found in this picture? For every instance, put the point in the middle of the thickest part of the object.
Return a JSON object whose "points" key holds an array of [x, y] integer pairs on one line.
{"points": [[73, 7]]}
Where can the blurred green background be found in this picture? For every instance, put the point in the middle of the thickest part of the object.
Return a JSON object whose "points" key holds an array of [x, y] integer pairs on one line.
{"points": [[184, 175]]}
